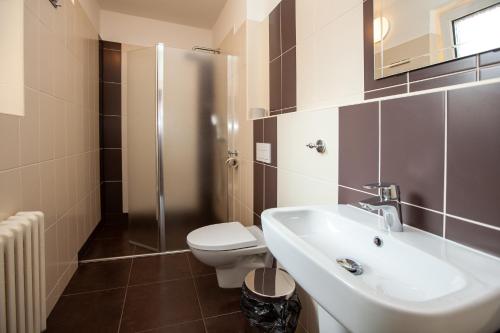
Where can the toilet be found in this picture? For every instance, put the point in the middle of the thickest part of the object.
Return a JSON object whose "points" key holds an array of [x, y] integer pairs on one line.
{"points": [[233, 249]]}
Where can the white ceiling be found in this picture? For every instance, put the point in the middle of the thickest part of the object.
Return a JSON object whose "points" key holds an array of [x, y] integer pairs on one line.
{"points": [[196, 13]]}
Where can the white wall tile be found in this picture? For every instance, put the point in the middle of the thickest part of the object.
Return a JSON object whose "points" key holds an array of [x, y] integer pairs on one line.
{"points": [[296, 190], [51, 258], [295, 130], [31, 48], [330, 57], [30, 128], [31, 188], [47, 127], [9, 138], [339, 59]]}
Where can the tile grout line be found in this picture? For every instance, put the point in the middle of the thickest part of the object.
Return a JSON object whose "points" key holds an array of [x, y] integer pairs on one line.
{"points": [[125, 297], [196, 292], [92, 291], [224, 314], [445, 171]]}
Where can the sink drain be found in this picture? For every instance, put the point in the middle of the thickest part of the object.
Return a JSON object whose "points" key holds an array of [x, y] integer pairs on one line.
{"points": [[351, 266]]}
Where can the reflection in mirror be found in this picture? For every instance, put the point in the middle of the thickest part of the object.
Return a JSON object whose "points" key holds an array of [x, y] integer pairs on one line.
{"points": [[441, 30]]}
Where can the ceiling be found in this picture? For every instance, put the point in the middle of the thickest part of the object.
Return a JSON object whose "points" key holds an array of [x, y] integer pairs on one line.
{"points": [[196, 13]]}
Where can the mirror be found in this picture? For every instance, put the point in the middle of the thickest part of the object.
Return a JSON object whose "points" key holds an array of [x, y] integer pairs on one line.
{"points": [[415, 34]]}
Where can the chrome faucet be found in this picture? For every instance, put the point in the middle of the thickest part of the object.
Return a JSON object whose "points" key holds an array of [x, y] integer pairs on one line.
{"points": [[388, 201]]}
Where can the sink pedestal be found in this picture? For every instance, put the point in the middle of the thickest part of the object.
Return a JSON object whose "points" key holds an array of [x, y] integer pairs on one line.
{"points": [[326, 323]]}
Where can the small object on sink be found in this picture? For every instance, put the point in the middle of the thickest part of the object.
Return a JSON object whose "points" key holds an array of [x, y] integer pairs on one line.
{"points": [[351, 266]]}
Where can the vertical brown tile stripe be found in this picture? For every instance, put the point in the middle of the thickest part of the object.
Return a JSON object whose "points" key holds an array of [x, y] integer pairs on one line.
{"points": [[282, 57], [110, 128]]}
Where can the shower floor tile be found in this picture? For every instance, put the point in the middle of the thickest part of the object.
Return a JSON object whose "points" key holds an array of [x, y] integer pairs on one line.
{"points": [[172, 293]]}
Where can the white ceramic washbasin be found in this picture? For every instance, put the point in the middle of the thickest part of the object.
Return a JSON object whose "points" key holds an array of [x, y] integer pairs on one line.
{"points": [[414, 282]]}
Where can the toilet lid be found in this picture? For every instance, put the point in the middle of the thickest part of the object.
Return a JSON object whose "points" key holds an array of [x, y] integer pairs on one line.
{"points": [[221, 236]]}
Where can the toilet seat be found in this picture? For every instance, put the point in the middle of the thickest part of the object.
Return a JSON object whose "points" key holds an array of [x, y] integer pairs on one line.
{"points": [[221, 237]]}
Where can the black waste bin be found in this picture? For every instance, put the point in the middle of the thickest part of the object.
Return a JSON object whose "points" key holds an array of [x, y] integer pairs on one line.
{"points": [[269, 300]]}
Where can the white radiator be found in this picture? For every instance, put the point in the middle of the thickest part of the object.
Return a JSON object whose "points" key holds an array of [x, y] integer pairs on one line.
{"points": [[22, 273]]}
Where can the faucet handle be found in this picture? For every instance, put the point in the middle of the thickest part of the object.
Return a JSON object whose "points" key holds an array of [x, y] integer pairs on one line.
{"points": [[387, 191]]}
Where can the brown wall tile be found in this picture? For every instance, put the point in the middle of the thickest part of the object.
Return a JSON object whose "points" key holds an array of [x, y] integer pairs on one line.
{"points": [[289, 79], [275, 33], [258, 188], [111, 132], [275, 84], [412, 147], [112, 164], [449, 67], [489, 58], [423, 219], [111, 66], [358, 144], [271, 136], [270, 187], [112, 197], [397, 90], [288, 34], [486, 73], [111, 96], [444, 81], [473, 153], [348, 196], [481, 238]]}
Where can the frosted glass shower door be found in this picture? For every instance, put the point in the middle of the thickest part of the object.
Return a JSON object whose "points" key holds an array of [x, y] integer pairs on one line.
{"points": [[141, 148], [194, 91]]}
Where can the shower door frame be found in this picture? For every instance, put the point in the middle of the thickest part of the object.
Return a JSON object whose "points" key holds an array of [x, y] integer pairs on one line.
{"points": [[160, 88]]}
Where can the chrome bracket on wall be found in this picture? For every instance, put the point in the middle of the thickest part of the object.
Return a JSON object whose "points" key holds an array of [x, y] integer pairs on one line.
{"points": [[320, 146], [55, 3]]}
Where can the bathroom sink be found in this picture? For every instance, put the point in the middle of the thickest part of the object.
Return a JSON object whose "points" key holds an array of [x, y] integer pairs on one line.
{"points": [[409, 281]]}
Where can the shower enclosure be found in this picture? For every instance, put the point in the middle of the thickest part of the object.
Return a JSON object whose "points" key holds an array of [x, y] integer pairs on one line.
{"points": [[180, 106]]}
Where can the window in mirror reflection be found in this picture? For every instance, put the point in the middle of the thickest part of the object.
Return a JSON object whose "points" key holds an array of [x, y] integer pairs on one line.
{"points": [[477, 32]]}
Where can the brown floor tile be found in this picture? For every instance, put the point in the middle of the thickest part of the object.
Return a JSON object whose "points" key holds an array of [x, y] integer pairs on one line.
{"points": [[91, 312], [160, 304], [214, 300], [99, 276], [231, 323], [198, 268], [190, 327], [117, 230], [142, 250], [159, 268], [107, 248]]}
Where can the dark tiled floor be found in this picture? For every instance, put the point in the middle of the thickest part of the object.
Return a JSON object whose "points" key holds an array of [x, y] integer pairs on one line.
{"points": [[161, 294], [110, 239]]}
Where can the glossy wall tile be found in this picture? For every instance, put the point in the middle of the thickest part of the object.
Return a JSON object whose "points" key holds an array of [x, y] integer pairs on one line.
{"points": [[441, 148], [49, 156]]}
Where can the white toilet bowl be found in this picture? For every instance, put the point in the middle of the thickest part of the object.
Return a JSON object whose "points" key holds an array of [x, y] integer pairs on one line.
{"points": [[232, 249]]}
